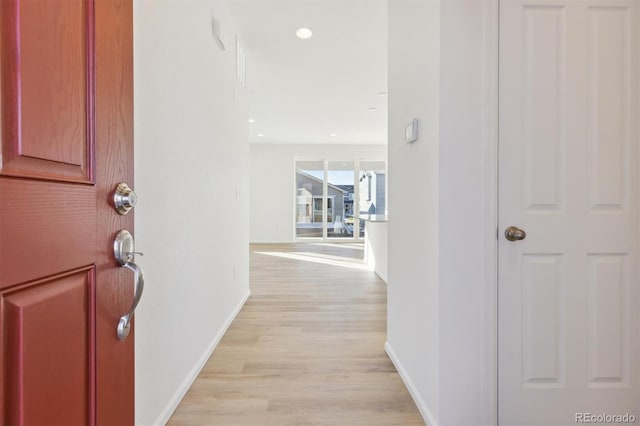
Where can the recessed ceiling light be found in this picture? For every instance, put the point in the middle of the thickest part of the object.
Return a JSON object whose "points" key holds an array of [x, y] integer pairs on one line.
{"points": [[372, 108], [251, 120], [333, 135], [382, 93], [304, 33], [260, 135]]}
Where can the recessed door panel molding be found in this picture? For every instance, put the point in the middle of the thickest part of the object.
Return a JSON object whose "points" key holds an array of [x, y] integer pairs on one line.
{"points": [[542, 321], [48, 88], [608, 316], [609, 97], [544, 92], [52, 317]]}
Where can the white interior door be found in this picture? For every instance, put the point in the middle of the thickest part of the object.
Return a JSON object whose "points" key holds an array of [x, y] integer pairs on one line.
{"points": [[568, 326]]}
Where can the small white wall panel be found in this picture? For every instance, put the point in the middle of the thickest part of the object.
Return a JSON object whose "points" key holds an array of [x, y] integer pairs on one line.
{"points": [[607, 291], [543, 106], [542, 320], [609, 107]]}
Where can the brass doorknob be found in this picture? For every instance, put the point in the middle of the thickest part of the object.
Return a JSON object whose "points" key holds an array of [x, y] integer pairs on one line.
{"points": [[513, 233]]}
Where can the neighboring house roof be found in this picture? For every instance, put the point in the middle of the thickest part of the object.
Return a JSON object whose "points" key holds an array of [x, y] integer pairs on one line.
{"points": [[307, 175], [347, 188]]}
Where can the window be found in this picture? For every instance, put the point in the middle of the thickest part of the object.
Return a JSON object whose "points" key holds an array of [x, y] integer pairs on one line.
{"points": [[317, 209], [309, 196], [373, 189], [340, 179], [332, 195]]}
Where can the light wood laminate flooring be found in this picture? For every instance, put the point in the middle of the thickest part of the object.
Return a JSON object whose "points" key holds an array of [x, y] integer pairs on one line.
{"points": [[306, 349]]}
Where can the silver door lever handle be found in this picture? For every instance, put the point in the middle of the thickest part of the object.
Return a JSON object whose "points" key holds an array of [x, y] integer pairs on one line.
{"points": [[124, 251], [124, 325]]}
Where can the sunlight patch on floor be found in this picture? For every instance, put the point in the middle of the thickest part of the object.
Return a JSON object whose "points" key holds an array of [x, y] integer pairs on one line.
{"points": [[331, 257], [352, 246], [313, 257]]}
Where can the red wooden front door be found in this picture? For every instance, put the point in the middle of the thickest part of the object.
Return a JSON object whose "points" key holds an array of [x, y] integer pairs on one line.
{"points": [[67, 141]]}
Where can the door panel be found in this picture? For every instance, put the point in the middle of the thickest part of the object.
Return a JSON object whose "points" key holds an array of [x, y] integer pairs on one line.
{"points": [[543, 99], [67, 141], [609, 107], [542, 345], [568, 293], [48, 76], [53, 317], [608, 327]]}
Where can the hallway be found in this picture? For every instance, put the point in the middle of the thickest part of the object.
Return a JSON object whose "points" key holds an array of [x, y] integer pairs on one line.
{"points": [[307, 348]]}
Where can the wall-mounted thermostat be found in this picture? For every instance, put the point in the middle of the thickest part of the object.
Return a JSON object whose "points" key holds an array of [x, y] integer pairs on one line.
{"points": [[411, 131]]}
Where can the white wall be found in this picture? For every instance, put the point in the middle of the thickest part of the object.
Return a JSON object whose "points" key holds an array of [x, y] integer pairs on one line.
{"points": [[376, 248], [272, 183], [441, 316], [414, 76], [468, 120], [191, 147]]}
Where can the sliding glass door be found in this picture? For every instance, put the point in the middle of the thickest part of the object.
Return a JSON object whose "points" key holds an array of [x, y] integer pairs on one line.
{"points": [[332, 195], [372, 194], [309, 199], [340, 189]]}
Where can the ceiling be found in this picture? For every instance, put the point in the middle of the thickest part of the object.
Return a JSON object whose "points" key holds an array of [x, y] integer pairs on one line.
{"points": [[319, 90]]}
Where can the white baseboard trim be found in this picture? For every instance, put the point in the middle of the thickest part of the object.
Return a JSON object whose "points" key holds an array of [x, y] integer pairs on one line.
{"points": [[417, 398], [184, 387], [382, 276], [274, 242]]}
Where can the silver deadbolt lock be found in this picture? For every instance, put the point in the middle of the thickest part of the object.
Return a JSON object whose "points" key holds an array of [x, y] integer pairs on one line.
{"points": [[124, 199]]}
